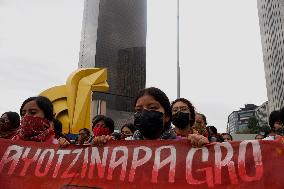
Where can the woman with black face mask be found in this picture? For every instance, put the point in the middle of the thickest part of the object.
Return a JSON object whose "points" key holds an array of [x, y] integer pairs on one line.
{"points": [[183, 117], [153, 117]]}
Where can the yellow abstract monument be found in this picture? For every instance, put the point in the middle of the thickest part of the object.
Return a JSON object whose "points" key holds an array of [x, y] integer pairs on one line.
{"points": [[72, 102]]}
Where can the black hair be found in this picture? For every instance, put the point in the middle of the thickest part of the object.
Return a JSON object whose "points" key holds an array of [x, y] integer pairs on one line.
{"points": [[159, 96], [204, 118], [281, 115], [109, 123], [274, 117], [43, 103], [129, 126], [213, 129], [116, 136], [190, 107], [57, 128], [14, 119], [86, 130], [228, 135]]}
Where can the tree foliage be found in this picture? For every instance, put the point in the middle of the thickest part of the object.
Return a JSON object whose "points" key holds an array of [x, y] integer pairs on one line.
{"points": [[253, 125]]}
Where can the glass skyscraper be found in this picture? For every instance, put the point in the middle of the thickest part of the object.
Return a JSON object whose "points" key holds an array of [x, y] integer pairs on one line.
{"points": [[114, 36]]}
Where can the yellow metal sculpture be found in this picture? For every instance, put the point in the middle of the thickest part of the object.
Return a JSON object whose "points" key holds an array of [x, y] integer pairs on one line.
{"points": [[72, 102]]}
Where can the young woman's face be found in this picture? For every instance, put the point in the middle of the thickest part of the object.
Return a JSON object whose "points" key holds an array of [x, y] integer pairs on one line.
{"points": [[199, 119], [126, 131], [147, 102], [180, 106], [83, 135], [226, 138], [31, 109], [4, 118], [278, 125]]}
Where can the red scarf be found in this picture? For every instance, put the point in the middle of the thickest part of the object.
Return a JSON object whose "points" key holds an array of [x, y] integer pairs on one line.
{"points": [[100, 130], [35, 129]]}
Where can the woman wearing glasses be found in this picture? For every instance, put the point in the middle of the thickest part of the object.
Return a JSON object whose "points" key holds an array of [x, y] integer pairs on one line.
{"points": [[183, 118]]}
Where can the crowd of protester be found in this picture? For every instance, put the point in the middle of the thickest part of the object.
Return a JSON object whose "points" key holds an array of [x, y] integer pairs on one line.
{"points": [[155, 118]]}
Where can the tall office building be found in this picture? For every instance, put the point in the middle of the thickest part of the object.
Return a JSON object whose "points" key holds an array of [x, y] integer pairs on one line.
{"points": [[114, 36], [271, 22], [238, 120]]}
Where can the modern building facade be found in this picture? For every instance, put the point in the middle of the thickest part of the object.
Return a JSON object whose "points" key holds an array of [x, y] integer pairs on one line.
{"points": [[271, 22], [238, 120], [114, 37], [262, 114]]}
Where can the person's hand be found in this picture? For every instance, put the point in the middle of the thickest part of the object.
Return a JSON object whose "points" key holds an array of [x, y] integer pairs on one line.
{"points": [[63, 142], [101, 140], [197, 140]]}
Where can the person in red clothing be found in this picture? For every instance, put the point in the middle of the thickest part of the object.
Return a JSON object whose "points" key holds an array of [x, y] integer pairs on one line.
{"points": [[9, 124], [36, 120]]}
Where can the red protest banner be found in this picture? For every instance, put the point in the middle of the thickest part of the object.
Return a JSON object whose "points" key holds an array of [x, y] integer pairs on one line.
{"points": [[140, 164]]}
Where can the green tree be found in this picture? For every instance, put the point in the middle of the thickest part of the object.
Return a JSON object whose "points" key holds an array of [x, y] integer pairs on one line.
{"points": [[253, 125]]}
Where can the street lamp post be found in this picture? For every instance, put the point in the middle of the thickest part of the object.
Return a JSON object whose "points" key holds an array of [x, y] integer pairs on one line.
{"points": [[178, 68]]}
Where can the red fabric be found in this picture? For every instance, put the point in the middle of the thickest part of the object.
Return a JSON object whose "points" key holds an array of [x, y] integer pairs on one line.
{"points": [[35, 129], [143, 164], [100, 130], [280, 139]]}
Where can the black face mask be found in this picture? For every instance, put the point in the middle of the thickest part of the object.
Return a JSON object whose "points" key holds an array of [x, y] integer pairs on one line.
{"points": [[149, 123], [180, 120]]}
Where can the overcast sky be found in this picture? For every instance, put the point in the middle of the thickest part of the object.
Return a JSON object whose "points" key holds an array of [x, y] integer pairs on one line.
{"points": [[220, 51]]}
